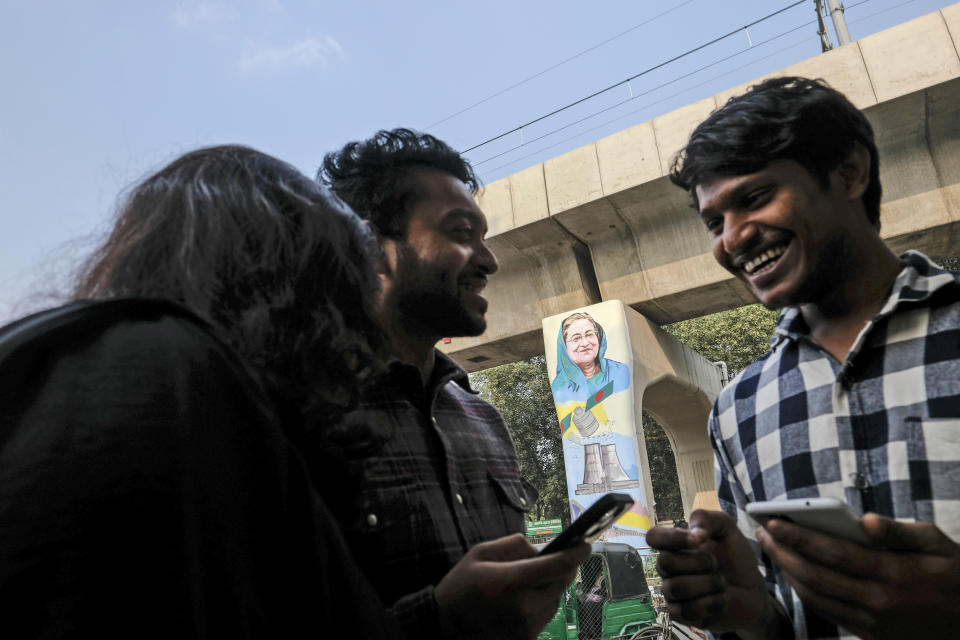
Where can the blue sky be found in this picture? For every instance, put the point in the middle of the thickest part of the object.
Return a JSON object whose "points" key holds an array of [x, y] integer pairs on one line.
{"points": [[98, 94]]}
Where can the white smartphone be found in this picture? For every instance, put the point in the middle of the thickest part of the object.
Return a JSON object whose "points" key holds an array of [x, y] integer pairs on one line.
{"points": [[826, 515]]}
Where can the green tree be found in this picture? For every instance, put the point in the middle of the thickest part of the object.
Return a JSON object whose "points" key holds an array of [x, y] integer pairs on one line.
{"points": [[663, 470], [950, 262], [736, 337], [521, 391]]}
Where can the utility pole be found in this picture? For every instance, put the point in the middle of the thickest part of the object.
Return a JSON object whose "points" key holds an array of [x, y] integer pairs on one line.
{"points": [[839, 22], [825, 44]]}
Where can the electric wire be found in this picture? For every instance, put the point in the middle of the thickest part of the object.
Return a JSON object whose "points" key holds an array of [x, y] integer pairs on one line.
{"points": [[554, 66], [876, 13], [673, 81], [644, 93], [646, 106], [634, 77]]}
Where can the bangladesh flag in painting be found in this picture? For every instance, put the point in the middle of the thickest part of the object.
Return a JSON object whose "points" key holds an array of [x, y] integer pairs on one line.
{"points": [[598, 397]]}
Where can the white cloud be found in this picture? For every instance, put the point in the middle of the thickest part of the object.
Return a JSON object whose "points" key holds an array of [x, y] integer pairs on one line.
{"points": [[192, 13], [300, 55]]}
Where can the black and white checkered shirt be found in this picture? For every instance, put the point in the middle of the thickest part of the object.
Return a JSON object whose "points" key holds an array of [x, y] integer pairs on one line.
{"points": [[880, 430]]}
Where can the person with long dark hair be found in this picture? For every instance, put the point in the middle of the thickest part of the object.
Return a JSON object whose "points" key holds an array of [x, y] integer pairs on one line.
{"points": [[149, 484]]}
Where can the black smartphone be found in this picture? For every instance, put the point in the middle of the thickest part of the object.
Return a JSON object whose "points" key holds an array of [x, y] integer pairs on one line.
{"points": [[601, 515]]}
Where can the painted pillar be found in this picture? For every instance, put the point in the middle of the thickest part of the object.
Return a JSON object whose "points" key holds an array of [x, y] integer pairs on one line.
{"points": [[590, 363], [602, 359]]}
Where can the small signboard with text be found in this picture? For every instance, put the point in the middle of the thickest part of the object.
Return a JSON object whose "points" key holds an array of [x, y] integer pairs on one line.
{"points": [[544, 527]]}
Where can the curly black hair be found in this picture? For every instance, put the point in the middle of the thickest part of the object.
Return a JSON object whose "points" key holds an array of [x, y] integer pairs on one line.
{"points": [[782, 118], [280, 269], [374, 176]]}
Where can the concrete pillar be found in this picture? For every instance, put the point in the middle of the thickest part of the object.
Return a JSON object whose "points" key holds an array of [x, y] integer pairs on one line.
{"points": [[630, 361]]}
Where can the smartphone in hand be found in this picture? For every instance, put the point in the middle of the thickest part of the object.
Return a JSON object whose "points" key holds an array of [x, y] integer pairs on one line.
{"points": [[826, 515], [600, 516]]}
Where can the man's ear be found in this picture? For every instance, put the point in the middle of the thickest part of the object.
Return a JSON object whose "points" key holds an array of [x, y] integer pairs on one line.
{"points": [[855, 172]]}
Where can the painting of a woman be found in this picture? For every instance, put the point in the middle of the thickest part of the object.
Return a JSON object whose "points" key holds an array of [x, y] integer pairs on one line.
{"points": [[582, 369]]}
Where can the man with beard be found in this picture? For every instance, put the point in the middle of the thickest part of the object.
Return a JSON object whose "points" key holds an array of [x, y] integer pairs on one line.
{"points": [[858, 398], [434, 489]]}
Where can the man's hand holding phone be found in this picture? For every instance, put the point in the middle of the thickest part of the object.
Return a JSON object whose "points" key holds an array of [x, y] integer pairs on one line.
{"points": [[711, 579], [503, 589], [907, 580], [598, 518]]}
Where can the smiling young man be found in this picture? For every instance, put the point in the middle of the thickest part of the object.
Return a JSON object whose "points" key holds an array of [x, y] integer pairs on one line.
{"points": [[434, 492], [858, 398]]}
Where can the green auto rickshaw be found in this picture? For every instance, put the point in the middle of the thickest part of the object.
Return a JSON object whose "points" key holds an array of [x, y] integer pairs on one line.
{"points": [[609, 600]]}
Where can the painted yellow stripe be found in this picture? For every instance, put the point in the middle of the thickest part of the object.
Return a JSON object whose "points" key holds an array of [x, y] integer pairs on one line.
{"points": [[600, 413], [635, 520]]}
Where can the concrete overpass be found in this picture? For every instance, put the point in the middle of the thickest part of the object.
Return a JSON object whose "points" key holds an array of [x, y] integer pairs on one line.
{"points": [[603, 222]]}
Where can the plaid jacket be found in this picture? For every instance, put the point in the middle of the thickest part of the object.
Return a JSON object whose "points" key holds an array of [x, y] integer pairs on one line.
{"points": [[880, 430], [441, 476]]}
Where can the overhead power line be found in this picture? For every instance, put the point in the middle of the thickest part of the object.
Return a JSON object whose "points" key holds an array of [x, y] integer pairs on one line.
{"points": [[640, 95], [633, 77], [876, 13], [662, 85], [554, 66]]}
